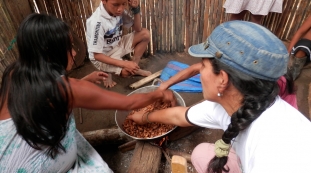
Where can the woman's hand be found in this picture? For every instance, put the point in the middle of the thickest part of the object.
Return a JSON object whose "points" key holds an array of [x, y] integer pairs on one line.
{"points": [[139, 117], [168, 96], [133, 3], [96, 77]]}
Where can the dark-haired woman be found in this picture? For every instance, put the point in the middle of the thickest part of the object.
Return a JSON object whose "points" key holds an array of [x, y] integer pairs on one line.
{"points": [[37, 128], [241, 63]]}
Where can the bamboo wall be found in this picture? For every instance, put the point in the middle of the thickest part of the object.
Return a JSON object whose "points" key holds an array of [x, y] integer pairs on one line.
{"points": [[174, 24]]}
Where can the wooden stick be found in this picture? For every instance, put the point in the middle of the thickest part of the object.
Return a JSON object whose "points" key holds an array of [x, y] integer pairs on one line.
{"points": [[145, 80]]}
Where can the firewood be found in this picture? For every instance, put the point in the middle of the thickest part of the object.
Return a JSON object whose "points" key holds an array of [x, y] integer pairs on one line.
{"points": [[105, 136], [127, 146]]}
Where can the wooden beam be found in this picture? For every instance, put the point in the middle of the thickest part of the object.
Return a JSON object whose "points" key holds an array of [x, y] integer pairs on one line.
{"points": [[145, 80]]}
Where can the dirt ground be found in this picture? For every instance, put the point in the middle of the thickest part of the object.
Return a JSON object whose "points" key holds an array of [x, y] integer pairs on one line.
{"points": [[93, 120]]}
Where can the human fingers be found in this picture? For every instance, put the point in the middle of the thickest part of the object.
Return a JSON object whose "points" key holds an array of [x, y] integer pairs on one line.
{"points": [[170, 97], [138, 117], [102, 74]]}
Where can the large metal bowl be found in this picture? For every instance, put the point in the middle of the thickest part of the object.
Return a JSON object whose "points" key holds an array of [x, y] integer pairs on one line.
{"points": [[120, 116]]}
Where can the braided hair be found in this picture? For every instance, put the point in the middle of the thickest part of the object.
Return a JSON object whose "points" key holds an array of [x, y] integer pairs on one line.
{"points": [[258, 95]]}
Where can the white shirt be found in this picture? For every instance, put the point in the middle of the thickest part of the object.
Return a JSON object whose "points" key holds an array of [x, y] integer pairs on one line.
{"points": [[103, 32], [277, 141]]}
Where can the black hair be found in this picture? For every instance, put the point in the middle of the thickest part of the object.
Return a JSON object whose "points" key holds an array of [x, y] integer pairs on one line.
{"points": [[258, 95], [37, 96]]}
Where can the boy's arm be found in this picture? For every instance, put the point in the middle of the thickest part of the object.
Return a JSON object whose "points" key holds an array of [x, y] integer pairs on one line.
{"points": [[181, 76], [134, 4], [300, 32]]}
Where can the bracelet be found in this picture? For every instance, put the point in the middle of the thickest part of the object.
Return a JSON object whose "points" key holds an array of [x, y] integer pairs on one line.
{"points": [[147, 114], [136, 10], [147, 117]]}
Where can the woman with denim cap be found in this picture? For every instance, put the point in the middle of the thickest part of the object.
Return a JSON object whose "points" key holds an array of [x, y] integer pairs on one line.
{"points": [[37, 128], [241, 63]]}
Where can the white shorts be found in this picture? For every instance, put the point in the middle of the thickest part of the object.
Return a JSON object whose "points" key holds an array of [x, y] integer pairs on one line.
{"points": [[124, 47]]}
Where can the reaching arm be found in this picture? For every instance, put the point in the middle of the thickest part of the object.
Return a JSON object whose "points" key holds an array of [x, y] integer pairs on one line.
{"points": [[88, 95], [300, 33], [137, 20], [173, 116], [181, 76]]}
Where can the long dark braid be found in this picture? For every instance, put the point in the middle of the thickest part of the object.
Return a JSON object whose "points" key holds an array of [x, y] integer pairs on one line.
{"points": [[258, 96]]}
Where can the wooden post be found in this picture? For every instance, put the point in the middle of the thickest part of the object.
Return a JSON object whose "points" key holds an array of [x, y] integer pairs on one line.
{"points": [[146, 158]]}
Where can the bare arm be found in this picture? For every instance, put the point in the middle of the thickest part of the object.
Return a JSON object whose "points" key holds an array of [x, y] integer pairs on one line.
{"points": [[173, 116], [181, 76], [88, 95], [137, 18], [300, 33]]}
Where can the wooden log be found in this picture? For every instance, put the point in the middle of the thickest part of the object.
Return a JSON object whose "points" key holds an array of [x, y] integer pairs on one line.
{"points": [[179, 164], [105, 136], [127, 146], [145, 80], [146, 158]]}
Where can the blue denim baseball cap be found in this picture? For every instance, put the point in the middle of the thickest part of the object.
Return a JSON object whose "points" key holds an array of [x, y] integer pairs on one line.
{"points": [[245, 46]]}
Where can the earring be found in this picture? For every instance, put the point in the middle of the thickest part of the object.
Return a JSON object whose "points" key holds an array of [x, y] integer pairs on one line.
{"points": [[219, 94]]}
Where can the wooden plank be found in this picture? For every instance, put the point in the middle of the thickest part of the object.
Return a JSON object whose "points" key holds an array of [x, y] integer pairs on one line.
{"points": [[153, 26], [191, 11], [41, 6], [183, 10], [201, 21], [148, 18], [174, 39], [143, 13], [206, 16], [82, 19], [146, 158], [187, 24], [145, 80], [88, 10], [165, 26], [17, 10], [64, 11]]}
